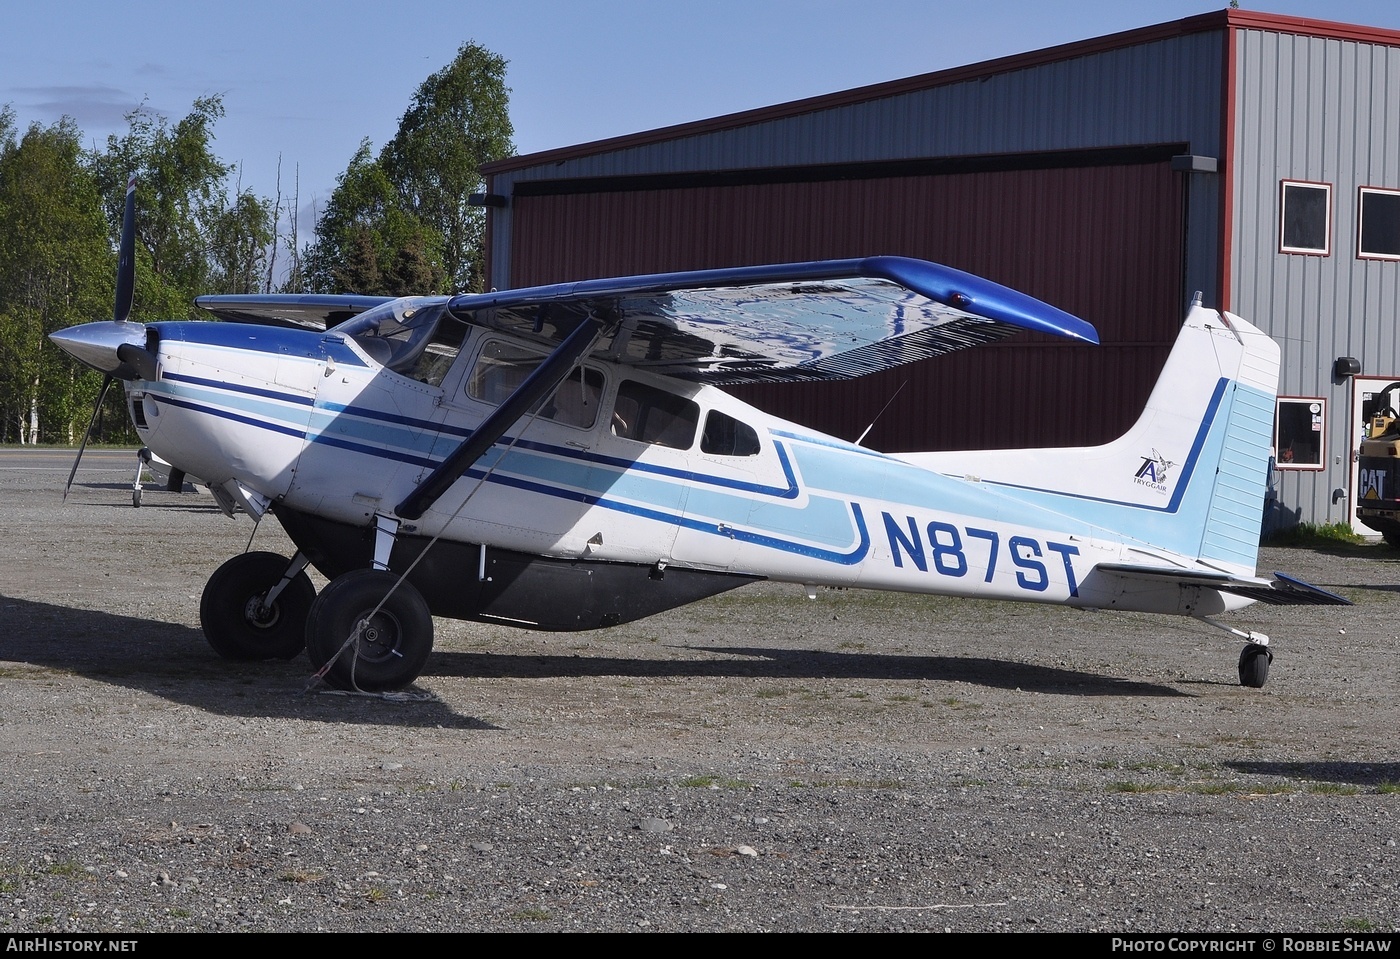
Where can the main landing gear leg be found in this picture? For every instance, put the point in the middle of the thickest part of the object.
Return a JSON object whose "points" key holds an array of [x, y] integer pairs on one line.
{"points": [[1254, 658]]}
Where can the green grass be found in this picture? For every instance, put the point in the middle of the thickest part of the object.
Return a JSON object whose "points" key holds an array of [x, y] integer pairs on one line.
{"points": [[847, 784], [1126, 787], [68, 868], [1315, 536], [714, 782], [1333, 789]]}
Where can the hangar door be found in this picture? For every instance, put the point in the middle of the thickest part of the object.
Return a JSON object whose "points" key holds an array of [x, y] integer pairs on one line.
{"points": [[1097, 234]]}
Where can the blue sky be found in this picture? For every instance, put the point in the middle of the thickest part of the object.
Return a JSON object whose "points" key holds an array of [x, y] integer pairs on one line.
{"points": [[305, 82]]}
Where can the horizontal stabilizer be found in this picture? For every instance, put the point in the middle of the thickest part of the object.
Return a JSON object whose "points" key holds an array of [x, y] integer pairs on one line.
{"points": [[1282, 590]]}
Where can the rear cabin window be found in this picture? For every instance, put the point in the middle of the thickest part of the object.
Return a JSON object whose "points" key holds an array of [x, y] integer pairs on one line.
{"points": [[726, 436], [649, 415], [502, 367]]}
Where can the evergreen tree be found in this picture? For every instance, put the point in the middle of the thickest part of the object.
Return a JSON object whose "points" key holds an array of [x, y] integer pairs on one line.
{"points": [[400, 223], [459, 120], [364, 230]]}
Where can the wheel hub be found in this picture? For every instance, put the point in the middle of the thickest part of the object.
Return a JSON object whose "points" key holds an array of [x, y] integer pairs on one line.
{"points": [[379, 638], [259, 614]]}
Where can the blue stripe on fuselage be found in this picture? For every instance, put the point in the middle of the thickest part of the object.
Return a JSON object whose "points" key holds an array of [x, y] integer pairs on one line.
{"points": [[272, 341], [634, 487]]}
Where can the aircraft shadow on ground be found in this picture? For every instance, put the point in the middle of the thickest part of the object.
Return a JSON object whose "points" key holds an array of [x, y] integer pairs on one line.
{"points": [[811, 664], [1374, 587], [1348, 773], [175, 663]]}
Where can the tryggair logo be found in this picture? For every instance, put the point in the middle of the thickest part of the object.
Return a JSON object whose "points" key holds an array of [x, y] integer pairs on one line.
{"points": [[1153, 472]]}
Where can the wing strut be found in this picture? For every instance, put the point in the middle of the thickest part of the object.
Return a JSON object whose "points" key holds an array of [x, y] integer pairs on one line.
{"points": [[539, 384]]}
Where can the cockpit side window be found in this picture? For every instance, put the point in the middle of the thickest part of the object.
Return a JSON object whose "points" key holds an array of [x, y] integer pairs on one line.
{"points": [[575, 402], [501, 367], [726, 436], [438, 355], [650, 415]]}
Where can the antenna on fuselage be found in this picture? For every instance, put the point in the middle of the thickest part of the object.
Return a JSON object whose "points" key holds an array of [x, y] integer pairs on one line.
{"points": [[861, 439]]}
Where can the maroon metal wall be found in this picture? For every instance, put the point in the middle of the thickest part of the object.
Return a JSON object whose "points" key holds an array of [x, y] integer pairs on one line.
{"points": [[1103, 242]]}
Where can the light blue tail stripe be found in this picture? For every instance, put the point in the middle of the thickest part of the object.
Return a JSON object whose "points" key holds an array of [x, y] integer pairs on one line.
{"points": [[1232, 522]]}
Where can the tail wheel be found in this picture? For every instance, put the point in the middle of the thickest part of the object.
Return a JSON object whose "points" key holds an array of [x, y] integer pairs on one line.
{"points": [[237, 619], [387, 648]]}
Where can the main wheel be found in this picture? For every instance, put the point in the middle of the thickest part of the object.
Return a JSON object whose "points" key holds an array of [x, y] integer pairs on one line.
{"points": [[1254, 665], [391, 648], [237, 621]]}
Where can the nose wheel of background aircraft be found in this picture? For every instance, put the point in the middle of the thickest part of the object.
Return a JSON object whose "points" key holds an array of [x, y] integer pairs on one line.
{"points": [[390, 649], [237, 619], [1254, 665]]}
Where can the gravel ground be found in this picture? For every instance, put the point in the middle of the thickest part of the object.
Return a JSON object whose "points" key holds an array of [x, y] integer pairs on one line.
{"points": [[861, 762]]}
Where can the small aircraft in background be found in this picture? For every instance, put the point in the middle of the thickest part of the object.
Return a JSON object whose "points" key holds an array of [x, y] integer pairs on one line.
{"points": [[564, 458]]}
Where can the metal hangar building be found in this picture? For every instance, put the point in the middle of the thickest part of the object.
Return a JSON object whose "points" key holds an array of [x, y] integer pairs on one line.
{"points": [[1252, 157]]}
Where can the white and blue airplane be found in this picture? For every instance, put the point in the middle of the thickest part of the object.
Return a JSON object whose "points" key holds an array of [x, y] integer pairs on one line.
{"points": [[564, 458]]}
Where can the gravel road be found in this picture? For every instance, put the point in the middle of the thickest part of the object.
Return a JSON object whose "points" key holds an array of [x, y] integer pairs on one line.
{"points": [[859, 762]]}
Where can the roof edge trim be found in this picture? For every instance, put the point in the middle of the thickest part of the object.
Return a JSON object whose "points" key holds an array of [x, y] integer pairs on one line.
{"points": [[1213, 20]]}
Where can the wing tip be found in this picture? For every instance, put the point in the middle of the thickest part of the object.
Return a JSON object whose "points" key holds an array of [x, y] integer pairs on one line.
{"points": [[980, 296]]}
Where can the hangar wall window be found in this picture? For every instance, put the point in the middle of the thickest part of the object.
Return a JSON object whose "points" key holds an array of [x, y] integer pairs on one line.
{"points": [[1378, 230], [1299, 432], [1306, 217]]}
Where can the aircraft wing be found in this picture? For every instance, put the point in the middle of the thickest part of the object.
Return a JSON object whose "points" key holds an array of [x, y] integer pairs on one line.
{"points": [[299, 311], [1282, 590], [821, 320]]}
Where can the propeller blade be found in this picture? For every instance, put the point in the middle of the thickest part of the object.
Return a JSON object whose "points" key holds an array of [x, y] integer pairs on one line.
{"points": [[101, 395], [126, 256]]}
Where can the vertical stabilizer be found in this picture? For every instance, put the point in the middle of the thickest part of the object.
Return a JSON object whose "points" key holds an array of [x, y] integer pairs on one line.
{"points": [[1189, 476]]}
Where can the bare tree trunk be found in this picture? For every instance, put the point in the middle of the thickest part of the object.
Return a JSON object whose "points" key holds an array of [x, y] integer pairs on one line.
{"points": [[33, 414], [295, 282], [276, 219]]}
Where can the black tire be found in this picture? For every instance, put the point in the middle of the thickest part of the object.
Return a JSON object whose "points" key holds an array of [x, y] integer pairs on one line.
{"points": [[1254, 665], [235, 621], [136, 498], [395, 645]]}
